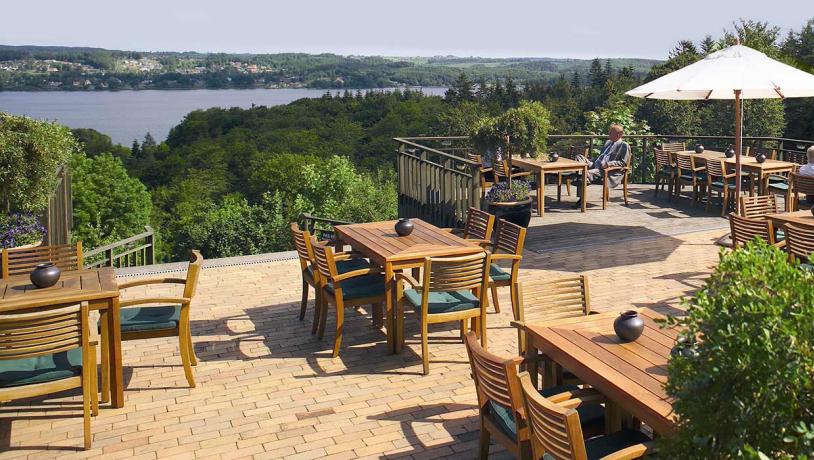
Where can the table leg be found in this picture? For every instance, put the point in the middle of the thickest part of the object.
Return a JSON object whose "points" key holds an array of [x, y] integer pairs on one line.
{"points": [[115, 353], [584, 188], [388, 302], [541, 194], [531, 359], [399, 316]]}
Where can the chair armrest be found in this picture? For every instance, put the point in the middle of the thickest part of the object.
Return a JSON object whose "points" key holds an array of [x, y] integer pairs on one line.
{"points": [[483, 170], [164, 300], [506, 257], [339, 256], [594, 397], [479, 241], [780, 244], [521, 174], [632, 452], [409, 279], [357, 273], [144, 282]]}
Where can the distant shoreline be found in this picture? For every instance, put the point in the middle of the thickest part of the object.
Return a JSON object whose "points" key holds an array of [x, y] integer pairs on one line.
{"points": [[106, 90]]}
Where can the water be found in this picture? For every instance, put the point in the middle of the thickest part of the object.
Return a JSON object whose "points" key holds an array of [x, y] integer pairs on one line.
{"points": [[128, 115]]}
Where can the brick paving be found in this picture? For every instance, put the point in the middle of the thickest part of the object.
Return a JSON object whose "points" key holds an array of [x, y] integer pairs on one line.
{"points": [[267, 388]]}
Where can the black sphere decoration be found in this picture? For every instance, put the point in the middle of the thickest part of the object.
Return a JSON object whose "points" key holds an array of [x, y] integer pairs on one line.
{"points": [[45, 275], [760, 157], [699, 148], [729, 152], [628, 326], [404, 227], [554, 156]]}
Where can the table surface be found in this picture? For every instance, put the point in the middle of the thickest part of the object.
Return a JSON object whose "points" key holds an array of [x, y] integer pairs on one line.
{"points": [[380, 242], [539, 164], [630, 374], [17, 292], [747, 162], [803, 218]]}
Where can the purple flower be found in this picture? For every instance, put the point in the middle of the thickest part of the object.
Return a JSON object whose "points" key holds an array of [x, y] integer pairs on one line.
{"points": [[20, 229]]}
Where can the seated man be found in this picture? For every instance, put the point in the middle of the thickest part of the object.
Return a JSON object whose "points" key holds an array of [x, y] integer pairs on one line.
{"points": [[615, 152], [807, 170]]}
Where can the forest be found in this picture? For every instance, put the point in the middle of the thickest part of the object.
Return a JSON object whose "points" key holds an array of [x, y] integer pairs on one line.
{"points": [[228, 181]]}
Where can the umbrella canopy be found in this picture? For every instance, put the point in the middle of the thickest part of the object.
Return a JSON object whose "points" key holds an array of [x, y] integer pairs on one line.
{"points": [[737, 72]]}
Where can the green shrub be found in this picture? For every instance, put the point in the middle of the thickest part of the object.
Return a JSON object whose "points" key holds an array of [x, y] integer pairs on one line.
{"points": [[31, 151], [749, 388], [526, 125]]}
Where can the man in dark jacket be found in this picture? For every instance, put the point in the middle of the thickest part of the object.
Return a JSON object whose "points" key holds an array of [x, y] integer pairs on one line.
{"points": [[615, 152]]}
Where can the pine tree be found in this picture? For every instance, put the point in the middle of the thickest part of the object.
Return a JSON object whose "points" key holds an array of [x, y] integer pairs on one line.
{"points": [[134, 150], [512, 96], [608, 70], [707, 45], [464, 88], [596, 76], [576, 81], [149, 143], [482, 92]]}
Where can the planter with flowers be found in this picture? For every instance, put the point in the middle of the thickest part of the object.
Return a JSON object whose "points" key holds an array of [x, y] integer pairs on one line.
{"points": [[511, 201], [20, 230]]}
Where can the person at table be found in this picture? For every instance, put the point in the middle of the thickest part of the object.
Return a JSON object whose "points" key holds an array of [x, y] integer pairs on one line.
{"points": [[615, 152], [807, 170]]}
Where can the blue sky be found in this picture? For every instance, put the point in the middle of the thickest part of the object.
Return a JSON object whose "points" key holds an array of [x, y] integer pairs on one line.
{"points": [[575, 28]]}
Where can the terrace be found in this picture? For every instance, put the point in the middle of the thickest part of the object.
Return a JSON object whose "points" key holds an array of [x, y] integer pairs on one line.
{"points": [[267, 388]]}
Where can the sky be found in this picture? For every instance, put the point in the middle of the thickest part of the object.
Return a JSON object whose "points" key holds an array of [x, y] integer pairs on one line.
{"points": [[505, 28]]}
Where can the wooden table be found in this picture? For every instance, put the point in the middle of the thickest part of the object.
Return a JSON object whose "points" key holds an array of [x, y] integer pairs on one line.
{"points": [[379, 242], [632, 375], [750, 165], [97, 287], [800, 218], [541, 168]]}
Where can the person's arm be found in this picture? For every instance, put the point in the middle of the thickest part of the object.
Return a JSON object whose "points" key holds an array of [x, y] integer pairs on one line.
{"points": [[623, 157]]}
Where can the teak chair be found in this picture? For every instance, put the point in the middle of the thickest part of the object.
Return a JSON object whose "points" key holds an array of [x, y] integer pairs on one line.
{"points": [[487, 176], [799, 243], [689, 174], [501, 171], [665, 172], [758, 207], [606, 176], [722, 182], [802, 185], [47, 351], [362, 286], [781, 184], [564, 178], [673, 147], [555, 432], [744, 229], [453, 289], [508, 245], [500, 404], [169, 319], [479, 225], [303, 242], [20, 261]]}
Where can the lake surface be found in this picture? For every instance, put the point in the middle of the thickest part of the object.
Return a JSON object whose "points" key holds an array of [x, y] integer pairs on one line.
{"points": [[128, 115]]}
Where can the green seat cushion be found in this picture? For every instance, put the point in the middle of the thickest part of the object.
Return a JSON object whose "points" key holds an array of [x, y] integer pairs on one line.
{"points": [[41, 369], [601, 446], [807, 267], [360, 287], [698, 176], [779, 185], [136, 319], [589, 414], [444, 301], [720, 184], [345, 266], [667, 170], [498, 274]]}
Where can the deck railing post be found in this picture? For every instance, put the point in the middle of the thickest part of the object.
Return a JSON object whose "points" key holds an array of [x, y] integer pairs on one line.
{"points": [[149, 254]]}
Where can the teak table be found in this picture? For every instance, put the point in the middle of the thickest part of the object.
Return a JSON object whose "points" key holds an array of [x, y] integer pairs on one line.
{"points": [[801, 218], [379, 242], [541, 168], [750, 165], [631, 375], [97, 287]]}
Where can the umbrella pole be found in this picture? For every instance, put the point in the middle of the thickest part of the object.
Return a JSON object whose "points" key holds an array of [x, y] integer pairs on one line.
{"points": [[738, 145]]}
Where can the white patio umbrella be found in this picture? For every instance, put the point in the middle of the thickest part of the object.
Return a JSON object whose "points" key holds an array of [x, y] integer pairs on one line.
{"points": [[737, 72]]}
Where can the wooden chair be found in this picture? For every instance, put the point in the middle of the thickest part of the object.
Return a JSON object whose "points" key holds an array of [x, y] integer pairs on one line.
{"points": [[20, 261], [722, 182], [453, 289], [665, 172], [168, 319], [801, 185], [303, 242], [781, 184], [500, 404], [799, 243], [479, 226], [362, 286], [501, 171], [508, 245], [758, 207], [606, 175], [487, 176], [565, 177], [47, 351], [689, 174], [555, 432], [674, 147], [744, 229]]}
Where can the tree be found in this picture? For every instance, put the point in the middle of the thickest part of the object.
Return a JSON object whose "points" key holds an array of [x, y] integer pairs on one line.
{"points": [[511, 95], [463, 89], [596, 76], [708, 45]]}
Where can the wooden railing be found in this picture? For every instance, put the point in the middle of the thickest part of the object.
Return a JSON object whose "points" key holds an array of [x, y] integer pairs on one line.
{"points": [[321, 227], [130, 252], [436, 182]]}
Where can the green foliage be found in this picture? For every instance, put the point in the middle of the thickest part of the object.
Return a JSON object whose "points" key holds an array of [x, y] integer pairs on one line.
{"points": [[621, 113], [20, 230], [525, 127], [31, 151], [461, 119], [749, 385], [504, 192], [108, 204], [94, 143]]}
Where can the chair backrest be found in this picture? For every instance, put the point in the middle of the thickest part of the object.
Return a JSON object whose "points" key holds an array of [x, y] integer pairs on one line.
{"points": [[44, 331], [20, 261], [324, 263], [479, 224], [193, 273], [302, 243], [575, 150], [456, 273], [803, 185], [553, 430], [500, 167], [799, 241], [758, 207], [744, 229], [685, 161], [495, 377], [557, 298], [663, 159], [674, 147], [715, 168], [510, 238], [474, 157]]}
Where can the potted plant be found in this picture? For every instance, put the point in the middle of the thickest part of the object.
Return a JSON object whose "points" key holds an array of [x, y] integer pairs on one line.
{"points": [[20, 230], [511, 201]]}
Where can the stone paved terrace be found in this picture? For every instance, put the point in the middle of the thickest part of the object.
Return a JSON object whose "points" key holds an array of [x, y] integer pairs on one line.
{"points": [[268, 389]]}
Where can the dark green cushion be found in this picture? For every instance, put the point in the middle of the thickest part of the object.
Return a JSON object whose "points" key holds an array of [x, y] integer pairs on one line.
{"points": [[45, 368], [345, 266], [591, 414], [601, 446], [444, 302], [720, 184], [779, 185], [686, 175], [360, 287], [135, 319], [498, 274]]}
